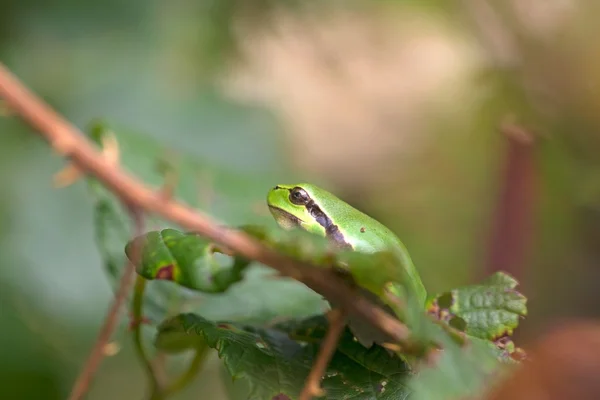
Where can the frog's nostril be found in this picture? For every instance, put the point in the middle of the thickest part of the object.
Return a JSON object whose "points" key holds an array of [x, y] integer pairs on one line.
{"points": [[276, 187]]}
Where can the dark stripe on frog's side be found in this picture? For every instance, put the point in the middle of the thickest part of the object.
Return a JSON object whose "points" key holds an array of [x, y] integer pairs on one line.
{"points": [[332, 232]]}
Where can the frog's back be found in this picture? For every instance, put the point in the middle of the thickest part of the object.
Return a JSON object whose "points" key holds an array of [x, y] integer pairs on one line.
{"points": [[368, 235], [362, 232]]}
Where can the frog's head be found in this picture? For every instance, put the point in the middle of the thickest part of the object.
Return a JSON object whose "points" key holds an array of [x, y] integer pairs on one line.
{"points": [[291, 207]]}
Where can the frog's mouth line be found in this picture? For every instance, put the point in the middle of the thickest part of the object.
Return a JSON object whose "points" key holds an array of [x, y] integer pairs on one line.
{"points": [[285, 218]]}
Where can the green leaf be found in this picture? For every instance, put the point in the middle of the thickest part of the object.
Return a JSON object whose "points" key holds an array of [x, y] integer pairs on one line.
{"points": [[256, 298], [458, 370], [313, 330], [490, 310], [187, 259], [274, 364]]}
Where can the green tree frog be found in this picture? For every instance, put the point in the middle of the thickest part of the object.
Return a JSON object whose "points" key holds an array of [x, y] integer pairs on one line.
{"points": [[315, 210]]}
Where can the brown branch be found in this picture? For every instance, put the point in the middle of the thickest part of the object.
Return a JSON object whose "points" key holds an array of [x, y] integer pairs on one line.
{"points": [[68, 141], [312, 387], [110, 322]]}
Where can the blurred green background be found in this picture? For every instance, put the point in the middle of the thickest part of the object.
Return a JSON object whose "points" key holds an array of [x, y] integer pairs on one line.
{"points": [[393, 105]]}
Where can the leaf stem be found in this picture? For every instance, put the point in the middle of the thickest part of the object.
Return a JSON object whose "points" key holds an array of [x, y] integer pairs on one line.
{"points": [[192, 371], [158, 391], [137, 308]]}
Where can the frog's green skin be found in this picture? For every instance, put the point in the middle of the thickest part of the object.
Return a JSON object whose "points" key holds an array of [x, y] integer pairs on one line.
{"points": [[315, 210]]}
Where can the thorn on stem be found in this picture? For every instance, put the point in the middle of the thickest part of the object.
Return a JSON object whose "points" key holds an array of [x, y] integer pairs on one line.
{"points": [[135, 322], [170, 174], [276, 276], [393, 299], [513, 130], [71, 173], [111, 349], [206, 191], [432, 357], [392, 347]]}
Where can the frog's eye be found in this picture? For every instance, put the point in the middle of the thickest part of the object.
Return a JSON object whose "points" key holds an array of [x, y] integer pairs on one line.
{"points": [[299, 196]]}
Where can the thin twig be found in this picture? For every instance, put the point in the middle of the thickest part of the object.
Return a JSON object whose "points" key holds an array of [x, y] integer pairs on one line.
{"points": [[68, 141], [110, 322], [312, 387], [71, 173]]}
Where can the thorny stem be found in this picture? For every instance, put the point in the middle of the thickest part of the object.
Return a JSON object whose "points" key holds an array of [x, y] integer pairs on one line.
{"points": [[510, 239]]}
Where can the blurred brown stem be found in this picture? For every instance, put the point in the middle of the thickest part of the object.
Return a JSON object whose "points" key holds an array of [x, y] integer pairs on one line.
{"points": [[88, 370], [513, 217]]}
